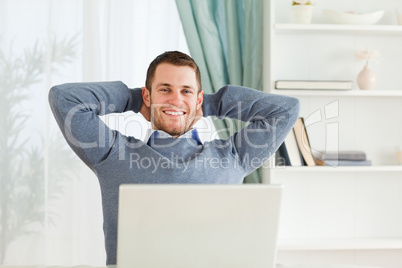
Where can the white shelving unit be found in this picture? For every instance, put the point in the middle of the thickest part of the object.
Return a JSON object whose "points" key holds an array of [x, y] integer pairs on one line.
{"points": [[381, 169], [340, 244], [349, 215], [287, 28], [333, 93]]}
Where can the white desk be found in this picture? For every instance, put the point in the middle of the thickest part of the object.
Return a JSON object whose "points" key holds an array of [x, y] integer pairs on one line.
{"points": [[278, 266], [40, 266]]}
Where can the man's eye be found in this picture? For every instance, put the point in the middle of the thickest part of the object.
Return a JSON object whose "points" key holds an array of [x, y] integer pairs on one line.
{"points": [[163, 90], [187, 91]]}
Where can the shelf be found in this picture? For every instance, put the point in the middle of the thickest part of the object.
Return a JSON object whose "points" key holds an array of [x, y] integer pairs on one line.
{"points": [[338, 28], [339, 93], [340, 244], [339, 169]]}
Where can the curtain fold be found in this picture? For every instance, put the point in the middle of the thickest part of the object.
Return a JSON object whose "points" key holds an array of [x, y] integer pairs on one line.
{"points": [[225, 39], [253, 46], [235, 58]]}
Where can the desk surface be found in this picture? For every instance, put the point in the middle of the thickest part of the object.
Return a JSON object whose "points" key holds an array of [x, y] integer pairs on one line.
{"points": [[277, 266], [41, 266]]}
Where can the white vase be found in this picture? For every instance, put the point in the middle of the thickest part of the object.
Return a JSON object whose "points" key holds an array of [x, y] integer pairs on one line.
{"points": [[366, 78], [302, 14]]}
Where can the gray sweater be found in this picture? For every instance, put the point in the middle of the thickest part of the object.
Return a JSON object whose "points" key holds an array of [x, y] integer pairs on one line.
{"points": [[117, 159]]}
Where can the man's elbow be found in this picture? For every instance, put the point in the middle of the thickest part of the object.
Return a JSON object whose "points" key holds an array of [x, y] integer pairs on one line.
{"points": [[52, 96], [297, 107], [293, 110]]}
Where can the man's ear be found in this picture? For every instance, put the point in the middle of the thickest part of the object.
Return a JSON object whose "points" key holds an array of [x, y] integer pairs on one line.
{"points": [[200, 99], [146, 97]]}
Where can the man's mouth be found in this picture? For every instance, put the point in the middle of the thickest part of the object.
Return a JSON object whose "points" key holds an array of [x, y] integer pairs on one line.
{"points": [[170, 112]]}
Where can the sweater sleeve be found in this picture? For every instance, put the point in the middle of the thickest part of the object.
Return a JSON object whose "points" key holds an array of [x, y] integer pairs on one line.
{"points": [[76, 108], [270, 117]]}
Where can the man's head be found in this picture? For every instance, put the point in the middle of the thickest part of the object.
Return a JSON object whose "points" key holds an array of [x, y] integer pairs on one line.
{"points": [[173, 92], [176, 58]]}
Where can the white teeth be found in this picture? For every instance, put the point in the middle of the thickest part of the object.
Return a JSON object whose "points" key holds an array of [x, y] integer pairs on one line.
{"points": [[174, 113]]}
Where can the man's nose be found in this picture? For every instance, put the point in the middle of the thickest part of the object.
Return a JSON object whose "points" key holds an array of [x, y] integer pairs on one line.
{"points": [[175, 99]]}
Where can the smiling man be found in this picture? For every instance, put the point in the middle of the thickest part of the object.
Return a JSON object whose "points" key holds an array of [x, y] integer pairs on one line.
{"points": [[173, 101], [173, 92]]}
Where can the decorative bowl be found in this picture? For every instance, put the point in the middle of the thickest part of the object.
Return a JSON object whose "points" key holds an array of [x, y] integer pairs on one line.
{"points": [[352, 18]]}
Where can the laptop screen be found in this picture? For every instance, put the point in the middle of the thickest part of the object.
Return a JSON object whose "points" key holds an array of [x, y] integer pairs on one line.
{"points": [[198, 225]]}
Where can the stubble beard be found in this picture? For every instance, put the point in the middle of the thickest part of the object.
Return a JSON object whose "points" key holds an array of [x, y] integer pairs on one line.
{"points": [[186, 122]]}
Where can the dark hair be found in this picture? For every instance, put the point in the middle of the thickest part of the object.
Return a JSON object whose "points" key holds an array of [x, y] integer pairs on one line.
{"points": [[172, 57]]}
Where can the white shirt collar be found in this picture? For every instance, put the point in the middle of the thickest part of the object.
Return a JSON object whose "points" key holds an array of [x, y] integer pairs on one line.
{"points": [[192, 134]]}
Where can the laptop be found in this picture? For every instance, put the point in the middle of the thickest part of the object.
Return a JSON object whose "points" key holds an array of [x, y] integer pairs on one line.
{"points": [[198, 226]]}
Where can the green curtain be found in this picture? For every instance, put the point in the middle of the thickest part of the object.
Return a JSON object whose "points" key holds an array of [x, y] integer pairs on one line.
{"points": [[225, 39]]}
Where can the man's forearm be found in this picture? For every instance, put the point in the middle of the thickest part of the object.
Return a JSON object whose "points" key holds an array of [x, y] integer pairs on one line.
{"points": [[107, 97], [247, 104], [76, 108], [270, 118]]}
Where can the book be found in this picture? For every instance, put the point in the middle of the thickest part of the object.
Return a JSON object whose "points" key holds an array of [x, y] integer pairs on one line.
{"points": [[280, 158], [289, 151], [335, 163], [342, 155], [314, 84], [303, 142]]}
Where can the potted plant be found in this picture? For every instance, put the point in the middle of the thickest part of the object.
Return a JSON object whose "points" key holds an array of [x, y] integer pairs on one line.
{"points": [[302, 11]]}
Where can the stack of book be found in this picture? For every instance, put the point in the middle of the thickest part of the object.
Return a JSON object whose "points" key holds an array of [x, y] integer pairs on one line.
{"points": [[344, 158], [296, 151]]}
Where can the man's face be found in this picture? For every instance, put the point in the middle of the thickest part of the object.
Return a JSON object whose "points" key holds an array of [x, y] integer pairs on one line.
{"points": [[174, 100]]}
